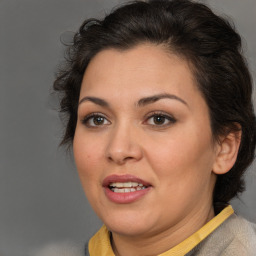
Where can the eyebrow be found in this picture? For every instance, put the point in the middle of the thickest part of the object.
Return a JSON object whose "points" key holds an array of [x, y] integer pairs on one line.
{"points": [[151, 99], [142, 102], [95, 100]]}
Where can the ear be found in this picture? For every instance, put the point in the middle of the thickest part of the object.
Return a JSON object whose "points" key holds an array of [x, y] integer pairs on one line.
{"points": [[226, 153]]}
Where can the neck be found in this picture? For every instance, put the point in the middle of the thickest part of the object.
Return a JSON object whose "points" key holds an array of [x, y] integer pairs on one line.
{"points": [[164, 240]]}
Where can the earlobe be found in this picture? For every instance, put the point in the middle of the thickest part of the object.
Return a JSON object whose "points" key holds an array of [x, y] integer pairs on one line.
{"points": [[227, 151]]}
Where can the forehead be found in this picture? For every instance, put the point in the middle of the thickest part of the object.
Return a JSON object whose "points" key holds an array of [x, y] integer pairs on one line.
{"points": [[143, 69]]}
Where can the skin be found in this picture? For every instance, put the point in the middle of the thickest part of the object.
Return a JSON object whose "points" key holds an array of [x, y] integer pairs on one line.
{"points": [[178, 158]]}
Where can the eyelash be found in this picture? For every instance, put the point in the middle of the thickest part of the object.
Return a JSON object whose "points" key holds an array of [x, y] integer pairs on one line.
{"points": [[91, 117], [170, 119]]}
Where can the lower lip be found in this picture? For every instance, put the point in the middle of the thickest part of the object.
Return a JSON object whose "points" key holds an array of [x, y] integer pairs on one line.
{"points": [[125, 198]]}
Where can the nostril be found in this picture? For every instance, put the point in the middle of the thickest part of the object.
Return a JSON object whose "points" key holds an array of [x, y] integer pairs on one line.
{"points": [[128, 158], [123, 150], [120, 159]]}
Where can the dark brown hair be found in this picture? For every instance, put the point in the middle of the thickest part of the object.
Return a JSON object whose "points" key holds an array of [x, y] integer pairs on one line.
{"points": [[191, 30]]}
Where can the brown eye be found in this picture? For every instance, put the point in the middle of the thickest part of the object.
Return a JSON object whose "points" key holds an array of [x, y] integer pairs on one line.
{"points": [[95, 120], [159, 120], [98, 120]]}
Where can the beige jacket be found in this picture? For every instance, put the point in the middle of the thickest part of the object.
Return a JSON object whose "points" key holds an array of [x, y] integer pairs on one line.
{"points": [[234, 237]]}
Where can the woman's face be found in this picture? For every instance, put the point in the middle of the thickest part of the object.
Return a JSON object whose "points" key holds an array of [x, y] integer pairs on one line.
{"points": [[143, 143]]}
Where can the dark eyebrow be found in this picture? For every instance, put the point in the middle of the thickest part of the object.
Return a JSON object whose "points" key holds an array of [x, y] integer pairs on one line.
{"points": [[95, 100], [151, 99], [142, 102]]}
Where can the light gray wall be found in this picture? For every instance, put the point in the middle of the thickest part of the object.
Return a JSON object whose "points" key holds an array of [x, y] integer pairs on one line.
{"points": [[41, 198]]}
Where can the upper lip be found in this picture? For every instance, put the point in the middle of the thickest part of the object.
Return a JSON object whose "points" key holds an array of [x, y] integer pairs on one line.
{"points": [[123, 178]]}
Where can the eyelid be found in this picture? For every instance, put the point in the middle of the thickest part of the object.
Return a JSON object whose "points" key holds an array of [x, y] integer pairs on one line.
{"points": [[169, 117], [86, 118]]}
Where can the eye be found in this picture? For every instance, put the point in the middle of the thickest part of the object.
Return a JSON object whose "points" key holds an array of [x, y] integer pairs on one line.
{"points": [[160, 119], [95, 120]]}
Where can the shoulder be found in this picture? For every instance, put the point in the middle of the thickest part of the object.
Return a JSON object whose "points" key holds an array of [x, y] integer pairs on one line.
{"points": [[243, 233], [234, 237]]}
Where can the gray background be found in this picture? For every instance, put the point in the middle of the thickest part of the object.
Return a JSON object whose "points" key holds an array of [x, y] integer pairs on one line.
{"points": [[41, 200]]}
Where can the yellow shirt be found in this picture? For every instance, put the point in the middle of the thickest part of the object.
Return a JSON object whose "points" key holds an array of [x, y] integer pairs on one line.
{"points": [[99, 244]]}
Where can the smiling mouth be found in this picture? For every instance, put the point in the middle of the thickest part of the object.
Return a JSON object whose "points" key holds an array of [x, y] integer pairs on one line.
{"points": [[126, 187]]}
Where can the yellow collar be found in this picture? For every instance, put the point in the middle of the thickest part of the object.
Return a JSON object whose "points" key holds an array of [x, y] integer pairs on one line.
{"points": [[99, 244]]}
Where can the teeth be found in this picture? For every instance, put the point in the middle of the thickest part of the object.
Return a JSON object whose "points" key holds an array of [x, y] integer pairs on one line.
{"points": [[125, 184], [127, 190], [126, 187]]}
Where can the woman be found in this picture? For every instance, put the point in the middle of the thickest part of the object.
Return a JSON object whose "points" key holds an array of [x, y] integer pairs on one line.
{"points": [[160, 118]]}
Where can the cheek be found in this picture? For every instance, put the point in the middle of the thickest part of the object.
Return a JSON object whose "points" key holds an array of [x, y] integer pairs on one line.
{"points": [[87, 161], [185, 154], [87, 156], [183, 171]]}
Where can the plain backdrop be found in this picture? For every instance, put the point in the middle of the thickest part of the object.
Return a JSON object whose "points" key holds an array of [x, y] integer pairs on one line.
{"points": [[41, 200]]}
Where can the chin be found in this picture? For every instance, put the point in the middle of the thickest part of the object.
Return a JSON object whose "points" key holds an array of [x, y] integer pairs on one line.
{"points": [[128, 224], [125, 229]]}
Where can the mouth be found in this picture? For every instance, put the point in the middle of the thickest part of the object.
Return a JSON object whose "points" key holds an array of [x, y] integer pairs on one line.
{"points": [[125, 188]]}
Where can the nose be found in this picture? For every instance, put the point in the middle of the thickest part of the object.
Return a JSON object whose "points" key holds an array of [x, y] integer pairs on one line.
{"points": [[123, 145]]}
